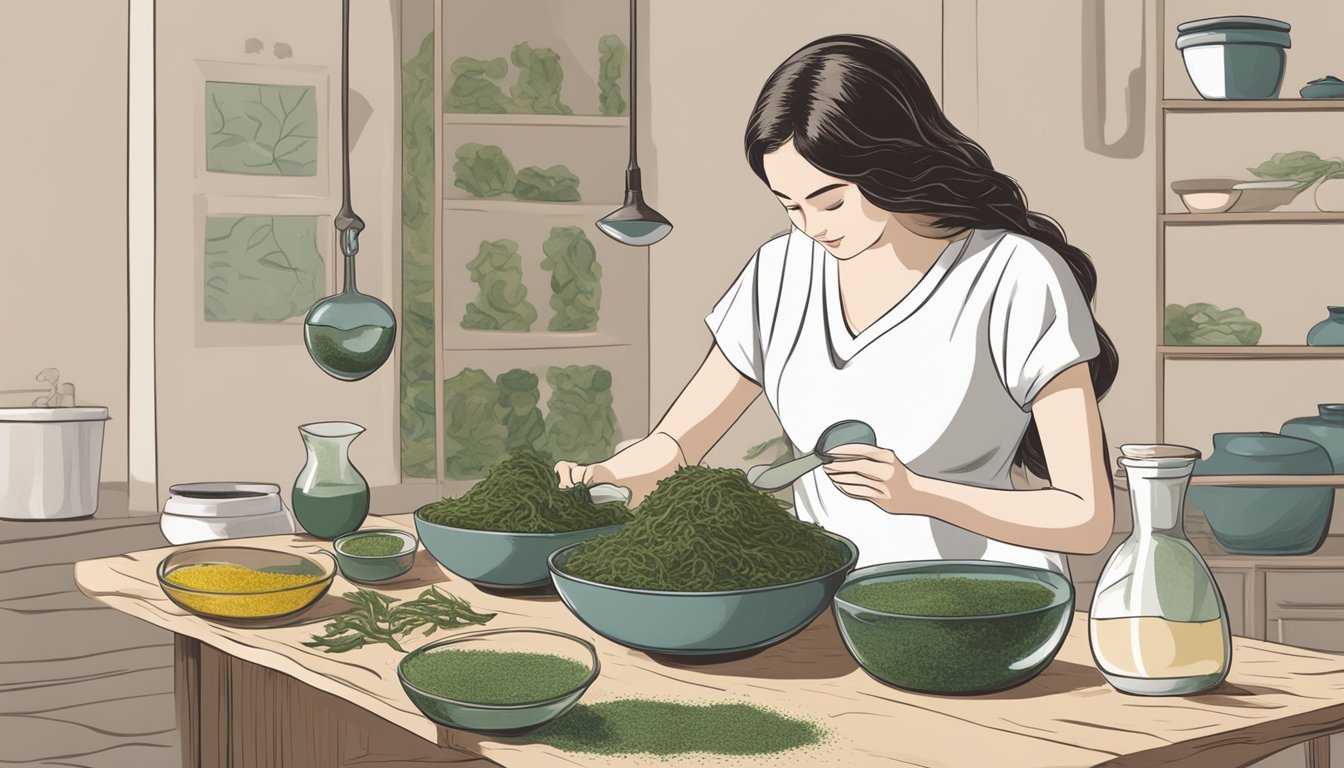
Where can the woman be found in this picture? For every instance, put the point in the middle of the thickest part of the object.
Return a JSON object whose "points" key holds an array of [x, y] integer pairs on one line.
{"points": [[914, 292]]}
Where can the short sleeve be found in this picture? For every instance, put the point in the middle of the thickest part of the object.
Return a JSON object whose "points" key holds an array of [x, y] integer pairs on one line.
{"points": [[735, 323], [1040, 322]]}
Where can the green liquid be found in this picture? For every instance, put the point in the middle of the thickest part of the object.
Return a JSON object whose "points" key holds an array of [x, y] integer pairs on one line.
{"points": [[330, 512], [638, 726], [377, 545], [949, 596], [495, 677], [351, 354]]}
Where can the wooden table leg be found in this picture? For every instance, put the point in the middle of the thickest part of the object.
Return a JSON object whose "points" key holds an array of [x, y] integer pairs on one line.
{"points": [[187, 691], [1318, 752]]}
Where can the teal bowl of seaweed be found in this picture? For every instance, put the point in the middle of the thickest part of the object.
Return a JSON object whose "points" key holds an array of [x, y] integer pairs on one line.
{"points": [[954, 626], [501, 681], [506, 560], [371, 555], [701, 624]]}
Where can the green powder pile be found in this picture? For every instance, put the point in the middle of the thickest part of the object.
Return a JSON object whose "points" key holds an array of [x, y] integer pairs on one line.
{"points": [[949, 596], [641, 726], [707, 529], [495, 677], [376, 545], [521, 494]]}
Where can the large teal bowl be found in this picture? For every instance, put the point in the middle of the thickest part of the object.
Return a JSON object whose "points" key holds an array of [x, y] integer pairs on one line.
{"points": [[958, 654], [700, 623], [502, 719], [498, 559]]}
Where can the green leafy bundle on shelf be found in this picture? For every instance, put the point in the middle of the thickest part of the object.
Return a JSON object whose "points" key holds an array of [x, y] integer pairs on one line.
{"points": [[611, 60], [539, 81], [501, 303], [522, 495], [483, 170], [418, 411], [580, 422], [471, 91], [1301, 167], [1205, 324], [705, 529], [518, 399], [556, 184], [576, 279], [474, 434]]}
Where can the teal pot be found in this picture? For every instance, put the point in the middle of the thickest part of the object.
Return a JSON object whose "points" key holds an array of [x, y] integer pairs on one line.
{"points": [[1325, 429], [1330, 331], [1235, 57], [1265, 521], [954, 654], [700, 623]]}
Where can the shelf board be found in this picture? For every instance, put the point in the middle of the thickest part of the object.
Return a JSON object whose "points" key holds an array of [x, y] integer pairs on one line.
{"points": [[1265, 217], [1257, 352], [571, 121], [463, 340], [1253, 481], [595, 210], [1253, 105]]}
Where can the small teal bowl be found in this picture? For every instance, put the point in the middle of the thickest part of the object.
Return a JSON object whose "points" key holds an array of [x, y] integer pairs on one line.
{"points": [[700, 623], [373, 569], [502, 719], [955, 654], [501, 559]]}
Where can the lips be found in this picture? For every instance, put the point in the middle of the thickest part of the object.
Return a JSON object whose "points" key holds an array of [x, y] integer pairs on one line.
{"points": [[832, 243]]}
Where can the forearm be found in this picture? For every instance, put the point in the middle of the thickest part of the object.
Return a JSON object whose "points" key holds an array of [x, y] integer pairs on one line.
{"points": [[713, 400], [1051, 519]]}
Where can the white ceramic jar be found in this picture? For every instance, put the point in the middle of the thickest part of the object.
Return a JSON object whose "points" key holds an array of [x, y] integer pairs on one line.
{"points": [[50, 460], [213, 511]]}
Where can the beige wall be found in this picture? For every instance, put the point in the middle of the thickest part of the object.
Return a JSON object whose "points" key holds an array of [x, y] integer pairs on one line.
{"points": [[228, 409], [699, 81], [63, 279]]}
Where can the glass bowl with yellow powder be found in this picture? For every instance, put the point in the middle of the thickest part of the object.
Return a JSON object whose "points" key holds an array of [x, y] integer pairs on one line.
{"points": [[954, 626], [500, 681], [245, 583]]}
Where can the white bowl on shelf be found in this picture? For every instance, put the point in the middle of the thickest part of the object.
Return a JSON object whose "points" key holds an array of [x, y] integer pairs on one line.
{"points": [[1233, 195]]}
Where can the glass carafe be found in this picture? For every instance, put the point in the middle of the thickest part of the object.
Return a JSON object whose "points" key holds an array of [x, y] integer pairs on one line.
{"points": [[1158, 625], [330, 497]]}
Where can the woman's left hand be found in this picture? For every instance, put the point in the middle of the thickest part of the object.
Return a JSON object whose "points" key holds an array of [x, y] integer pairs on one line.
{"points": [[873, 473]]}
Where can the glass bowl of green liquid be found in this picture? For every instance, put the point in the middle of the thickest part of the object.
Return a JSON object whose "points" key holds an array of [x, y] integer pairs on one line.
{"points": [[500, 681], [954, 626], [372, 555]]}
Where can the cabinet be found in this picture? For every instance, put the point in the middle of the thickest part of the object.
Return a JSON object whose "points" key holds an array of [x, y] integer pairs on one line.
{"points": [[525, 326]]}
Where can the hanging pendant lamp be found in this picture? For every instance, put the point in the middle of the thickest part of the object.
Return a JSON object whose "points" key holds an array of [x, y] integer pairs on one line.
{"points": [[635, 222], [351, 334]]}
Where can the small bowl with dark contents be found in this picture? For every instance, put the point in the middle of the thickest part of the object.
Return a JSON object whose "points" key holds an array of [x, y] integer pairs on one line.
{"points": [[375, 554], [954, 626], [500, 681]]}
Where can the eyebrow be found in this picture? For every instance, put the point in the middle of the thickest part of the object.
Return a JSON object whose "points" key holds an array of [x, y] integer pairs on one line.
{"points": [[821, 191]]}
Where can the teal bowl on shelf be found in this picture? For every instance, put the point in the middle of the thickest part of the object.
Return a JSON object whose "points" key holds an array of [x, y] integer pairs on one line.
{"points": [[371, 569], [700, 623], [1328, 332], [954, 655], [1265, 521], [501, 559], [1326, 429], [500, 719]]}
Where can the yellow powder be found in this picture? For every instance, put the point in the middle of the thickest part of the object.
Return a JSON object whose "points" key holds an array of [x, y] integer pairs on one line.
{"points": [[298, 590]]}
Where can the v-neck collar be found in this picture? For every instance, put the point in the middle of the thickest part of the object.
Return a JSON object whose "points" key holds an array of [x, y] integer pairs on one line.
{"points": [[845, 344]]}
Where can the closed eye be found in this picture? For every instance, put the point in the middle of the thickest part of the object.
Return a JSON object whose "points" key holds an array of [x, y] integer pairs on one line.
{"points": [[837, 205], [790, 207]]}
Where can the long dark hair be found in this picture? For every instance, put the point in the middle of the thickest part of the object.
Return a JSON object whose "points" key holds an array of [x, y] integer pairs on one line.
{"points": [[857, 109]]}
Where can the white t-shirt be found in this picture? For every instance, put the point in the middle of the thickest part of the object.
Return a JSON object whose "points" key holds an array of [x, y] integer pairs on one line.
{"points": [[946, 377]]}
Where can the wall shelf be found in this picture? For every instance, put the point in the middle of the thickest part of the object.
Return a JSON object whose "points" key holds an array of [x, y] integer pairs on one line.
{"points": [[1265, 217], [1253, 105], [489, 205], [464, 340], [577, 121], [1257, 352]]}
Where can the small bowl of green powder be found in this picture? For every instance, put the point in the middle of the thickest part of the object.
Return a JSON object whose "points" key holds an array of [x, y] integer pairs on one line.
{"points": [[372, 555], [954, 626], [501, 681]]}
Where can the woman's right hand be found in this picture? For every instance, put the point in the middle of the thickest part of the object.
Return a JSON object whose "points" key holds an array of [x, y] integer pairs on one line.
{"points": [[639, 467]]}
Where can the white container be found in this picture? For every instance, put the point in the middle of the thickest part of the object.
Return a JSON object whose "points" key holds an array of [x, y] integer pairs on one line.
{"points": [[213, 511], [50, 460], [1330, 195]]}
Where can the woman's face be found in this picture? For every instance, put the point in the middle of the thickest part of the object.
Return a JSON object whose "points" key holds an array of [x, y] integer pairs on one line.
{"points": [[829, 210]]}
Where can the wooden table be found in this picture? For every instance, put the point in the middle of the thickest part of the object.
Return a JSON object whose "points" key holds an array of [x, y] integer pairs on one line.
{"points": [[255, 697]]}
